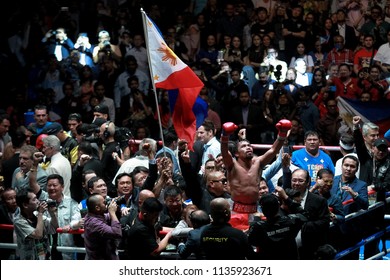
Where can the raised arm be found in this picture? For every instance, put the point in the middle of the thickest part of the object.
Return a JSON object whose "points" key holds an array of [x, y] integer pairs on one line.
{"points": [[283, 126], [228, 129], [34, 186]]}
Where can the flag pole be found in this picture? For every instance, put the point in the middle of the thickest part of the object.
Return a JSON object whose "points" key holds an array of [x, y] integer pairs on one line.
{"points": [[152, 77]]}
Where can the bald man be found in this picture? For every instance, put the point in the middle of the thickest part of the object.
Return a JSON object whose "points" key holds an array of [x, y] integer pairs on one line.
{"points": [[102, 229], [219, 240], [128, 221]]}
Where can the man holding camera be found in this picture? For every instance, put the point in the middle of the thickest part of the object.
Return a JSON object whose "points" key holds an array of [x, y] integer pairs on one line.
{"points": [[58, 43], [106, 46], [102, 229], [85, 49], [68, 213], [32, 229]]}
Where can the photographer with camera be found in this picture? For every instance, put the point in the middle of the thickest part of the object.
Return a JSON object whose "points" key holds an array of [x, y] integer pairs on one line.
{"points": [[67, 210], [105, 45], [57, 42], [32, 229], [85, 48], [102, 229]]}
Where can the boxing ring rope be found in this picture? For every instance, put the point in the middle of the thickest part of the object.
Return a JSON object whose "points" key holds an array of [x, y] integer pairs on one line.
{"points": [[364, 242], [377, 235], [61, 249]]}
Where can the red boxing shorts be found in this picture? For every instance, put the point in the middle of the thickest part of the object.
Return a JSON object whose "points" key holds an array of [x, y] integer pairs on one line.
{"points": [[244, 208]]}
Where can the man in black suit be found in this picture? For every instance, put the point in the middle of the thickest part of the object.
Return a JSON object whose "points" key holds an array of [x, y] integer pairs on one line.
{"points": [[196, 155], [8, 210], [249, 116], [346, 31], [314, 232]]}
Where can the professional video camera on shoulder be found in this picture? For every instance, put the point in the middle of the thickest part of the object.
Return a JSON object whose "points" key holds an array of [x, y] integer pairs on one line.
{"points": [[90, 132], [122, 136]]}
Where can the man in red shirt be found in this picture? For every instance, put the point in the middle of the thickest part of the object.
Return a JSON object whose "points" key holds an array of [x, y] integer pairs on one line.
{"points": [[365, 56], [346, 86]]}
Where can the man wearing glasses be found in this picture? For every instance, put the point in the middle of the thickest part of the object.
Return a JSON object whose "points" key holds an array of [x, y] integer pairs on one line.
{"points": [[216, 186], [314, 232]]}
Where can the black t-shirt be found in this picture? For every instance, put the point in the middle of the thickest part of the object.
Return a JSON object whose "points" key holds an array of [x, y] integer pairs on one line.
{"points": [[262, 29], [276, 240], [141, 241], [223, 242], [110, 167]]}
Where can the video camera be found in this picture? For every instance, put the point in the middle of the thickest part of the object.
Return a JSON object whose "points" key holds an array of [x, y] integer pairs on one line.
{"points": [[92, 133], [119, 200], [106, 45], [122, 136], [51, 202]]}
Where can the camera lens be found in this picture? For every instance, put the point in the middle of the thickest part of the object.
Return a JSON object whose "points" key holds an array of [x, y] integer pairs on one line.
{"points": [[51, 203]]}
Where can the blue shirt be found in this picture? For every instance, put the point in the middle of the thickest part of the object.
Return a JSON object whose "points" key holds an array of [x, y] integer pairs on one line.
{"points": [[304, 160]]}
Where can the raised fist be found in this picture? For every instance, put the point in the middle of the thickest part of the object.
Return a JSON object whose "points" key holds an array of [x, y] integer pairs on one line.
{"points": [[283, 126], [228, 128], [356, 120]]}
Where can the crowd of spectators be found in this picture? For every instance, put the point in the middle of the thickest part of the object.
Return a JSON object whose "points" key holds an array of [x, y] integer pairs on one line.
{"points": [[81, 69], [54, 54]]}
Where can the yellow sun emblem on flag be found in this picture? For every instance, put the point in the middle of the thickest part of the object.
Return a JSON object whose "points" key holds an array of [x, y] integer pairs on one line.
{"points": [[169, 55]]}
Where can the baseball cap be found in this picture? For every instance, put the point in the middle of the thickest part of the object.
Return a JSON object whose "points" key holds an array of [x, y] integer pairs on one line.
{"points": [[98, 122], [52, 129], [381, 142], [101, 108]]}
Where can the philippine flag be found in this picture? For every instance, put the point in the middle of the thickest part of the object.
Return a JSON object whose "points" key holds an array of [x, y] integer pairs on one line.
{"points": [[377, 112], [170, 73]]}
